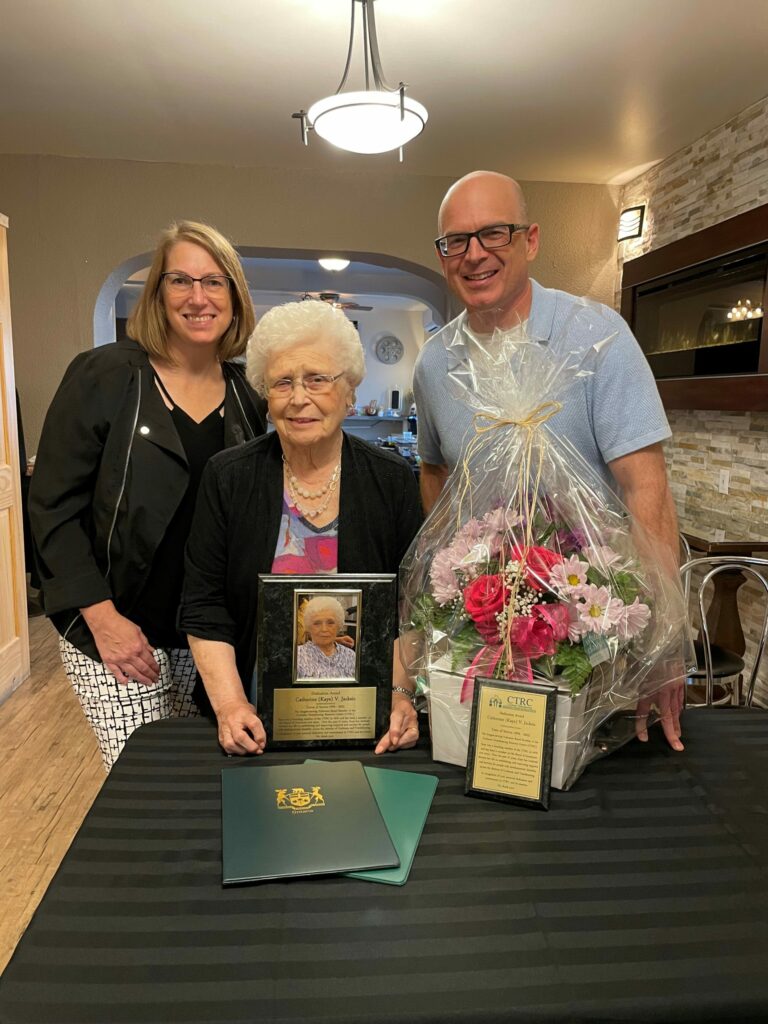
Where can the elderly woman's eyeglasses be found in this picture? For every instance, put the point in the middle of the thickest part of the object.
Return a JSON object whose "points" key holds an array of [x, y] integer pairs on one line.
{"points": [[314, 383], [492, 237], [182, 284]]}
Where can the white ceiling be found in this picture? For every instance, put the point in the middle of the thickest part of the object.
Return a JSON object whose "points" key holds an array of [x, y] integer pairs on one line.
{"points": [[557, 90]]}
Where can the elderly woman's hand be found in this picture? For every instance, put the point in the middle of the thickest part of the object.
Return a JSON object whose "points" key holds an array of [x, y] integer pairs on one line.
{"points": [[403, 726], [240, 728]]}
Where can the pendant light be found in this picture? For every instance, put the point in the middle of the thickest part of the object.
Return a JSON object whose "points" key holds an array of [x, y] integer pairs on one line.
{"points": [[375, 120]]}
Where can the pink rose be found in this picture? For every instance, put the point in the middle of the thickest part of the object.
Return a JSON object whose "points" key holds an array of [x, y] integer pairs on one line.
{"points": [[557, 616], [532, 636], [539, 633], [538, 564], [484, 599]]}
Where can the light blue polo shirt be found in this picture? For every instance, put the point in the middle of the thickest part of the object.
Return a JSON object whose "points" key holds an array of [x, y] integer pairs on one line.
{"points": [[609, 413]]}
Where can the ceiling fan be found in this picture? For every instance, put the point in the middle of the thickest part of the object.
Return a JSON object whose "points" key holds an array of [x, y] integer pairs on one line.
{"points": [[334, 299]]}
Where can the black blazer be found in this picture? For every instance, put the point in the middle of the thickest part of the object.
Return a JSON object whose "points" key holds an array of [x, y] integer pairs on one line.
{"points": [[237, 522], [109, 475]]}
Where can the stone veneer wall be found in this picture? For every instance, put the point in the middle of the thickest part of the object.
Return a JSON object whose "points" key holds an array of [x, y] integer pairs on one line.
{"points": [[720, 175]]}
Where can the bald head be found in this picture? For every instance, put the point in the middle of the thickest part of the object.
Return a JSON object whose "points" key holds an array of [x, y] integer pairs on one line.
{"points": [[490, 280], [491, 186]]}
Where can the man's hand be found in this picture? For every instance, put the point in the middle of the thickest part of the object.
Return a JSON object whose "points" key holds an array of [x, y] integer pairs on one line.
{"points": [[403, 726], [122, 646], [240, 728], [669, 700]]}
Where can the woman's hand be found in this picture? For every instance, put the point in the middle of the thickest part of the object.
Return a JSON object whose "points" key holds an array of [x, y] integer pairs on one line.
{"points": [[240, 728], [403, 726], [122, 646]]}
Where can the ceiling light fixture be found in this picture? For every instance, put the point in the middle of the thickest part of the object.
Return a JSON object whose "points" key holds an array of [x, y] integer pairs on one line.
{"points": [[631, 222], [332, 263], [375, 120]]}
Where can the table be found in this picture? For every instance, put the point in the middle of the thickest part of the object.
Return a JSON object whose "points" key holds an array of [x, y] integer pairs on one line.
{"points": [[642, 895], [723, 616]]}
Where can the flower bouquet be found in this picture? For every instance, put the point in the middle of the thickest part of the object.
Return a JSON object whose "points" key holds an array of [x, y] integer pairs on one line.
{"points": [[530, 569]]}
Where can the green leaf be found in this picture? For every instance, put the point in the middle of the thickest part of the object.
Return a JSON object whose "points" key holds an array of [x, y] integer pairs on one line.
{"points": [[464, 644], [576, 666], [626, 586], [596, 577]]}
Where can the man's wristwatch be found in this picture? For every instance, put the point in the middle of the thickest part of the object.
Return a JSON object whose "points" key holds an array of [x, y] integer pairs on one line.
{"points": [[408, 693]]}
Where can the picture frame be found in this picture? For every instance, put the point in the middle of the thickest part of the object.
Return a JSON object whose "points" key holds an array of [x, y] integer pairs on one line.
{"points": [[313, 690]]}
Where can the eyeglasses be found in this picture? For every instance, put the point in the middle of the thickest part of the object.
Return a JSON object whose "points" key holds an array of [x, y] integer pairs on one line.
{"points": [[314, 383], [182, 284], [493, 237]]}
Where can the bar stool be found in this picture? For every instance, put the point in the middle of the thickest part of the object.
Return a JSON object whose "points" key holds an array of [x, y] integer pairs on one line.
{"points": [[713, 661]]}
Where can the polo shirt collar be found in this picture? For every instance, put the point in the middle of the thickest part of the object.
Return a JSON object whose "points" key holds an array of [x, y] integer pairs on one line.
{"points": [[542, 315]]}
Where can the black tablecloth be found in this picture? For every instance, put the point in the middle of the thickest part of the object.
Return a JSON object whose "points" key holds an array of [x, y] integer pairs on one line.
{"points": [[642, 895]]}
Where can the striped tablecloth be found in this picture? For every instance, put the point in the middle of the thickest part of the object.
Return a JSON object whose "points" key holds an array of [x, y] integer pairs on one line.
{"points": [[642, 895]]}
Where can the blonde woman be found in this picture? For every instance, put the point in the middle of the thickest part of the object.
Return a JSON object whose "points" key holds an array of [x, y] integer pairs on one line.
{"points": [[122, 451]]}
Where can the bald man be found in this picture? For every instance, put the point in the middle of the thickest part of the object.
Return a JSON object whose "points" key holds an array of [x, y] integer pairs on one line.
{"points": [[614, 418]]}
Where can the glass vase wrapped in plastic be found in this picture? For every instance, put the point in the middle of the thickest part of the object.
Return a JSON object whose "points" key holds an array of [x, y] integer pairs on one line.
{"points": [[529, 567]]}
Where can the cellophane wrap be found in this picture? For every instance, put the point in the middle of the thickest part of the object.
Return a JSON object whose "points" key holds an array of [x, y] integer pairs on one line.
{"points": [[529, 568]]}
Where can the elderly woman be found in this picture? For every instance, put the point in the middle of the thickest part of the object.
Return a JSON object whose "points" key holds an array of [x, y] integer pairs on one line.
{"points": [[307, 498], [120, 459], [321, 657]]}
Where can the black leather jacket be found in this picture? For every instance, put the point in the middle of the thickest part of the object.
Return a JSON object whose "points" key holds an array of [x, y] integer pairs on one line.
{"points": [[109, 475]]}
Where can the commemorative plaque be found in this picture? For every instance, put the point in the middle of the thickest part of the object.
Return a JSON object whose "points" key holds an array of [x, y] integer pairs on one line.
{"points": [[511, 738], [324, 648]]}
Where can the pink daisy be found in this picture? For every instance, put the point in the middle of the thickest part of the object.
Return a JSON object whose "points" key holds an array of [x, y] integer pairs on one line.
{"points": [[598, 611], [567, 575], [633, 619]]}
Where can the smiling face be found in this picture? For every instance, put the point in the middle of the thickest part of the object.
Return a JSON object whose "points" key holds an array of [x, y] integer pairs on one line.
{"points": [[493, 282], [197, 318], [323, 629], [303, 420]]}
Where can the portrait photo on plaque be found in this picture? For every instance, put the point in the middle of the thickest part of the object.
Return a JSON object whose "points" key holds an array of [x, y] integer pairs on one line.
{"points": [[325, 635], [324, 649]]}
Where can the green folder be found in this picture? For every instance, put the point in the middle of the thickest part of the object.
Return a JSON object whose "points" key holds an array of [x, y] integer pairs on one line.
{"points": [[290, 820], [404, 799]]}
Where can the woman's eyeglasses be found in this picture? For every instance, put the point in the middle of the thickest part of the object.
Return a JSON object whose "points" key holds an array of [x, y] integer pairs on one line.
{"points": [[182, 284], [314, 383]]}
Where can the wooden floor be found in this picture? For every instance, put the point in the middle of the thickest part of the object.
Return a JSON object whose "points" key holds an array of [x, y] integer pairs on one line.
{"points": [[50, 772]]}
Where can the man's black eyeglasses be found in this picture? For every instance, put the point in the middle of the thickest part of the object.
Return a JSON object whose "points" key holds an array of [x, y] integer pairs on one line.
{"points": [[492, 237]]}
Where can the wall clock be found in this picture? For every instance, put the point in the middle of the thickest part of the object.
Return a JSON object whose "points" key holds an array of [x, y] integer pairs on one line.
{"points": [[389, 349]]}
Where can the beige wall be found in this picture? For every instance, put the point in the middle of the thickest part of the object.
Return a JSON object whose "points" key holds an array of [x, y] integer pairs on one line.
{"points": [[73, 221]]}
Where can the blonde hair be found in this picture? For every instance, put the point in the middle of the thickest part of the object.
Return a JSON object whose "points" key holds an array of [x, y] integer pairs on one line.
{"points": [[319, 604], [148, 325], [294, 323]]}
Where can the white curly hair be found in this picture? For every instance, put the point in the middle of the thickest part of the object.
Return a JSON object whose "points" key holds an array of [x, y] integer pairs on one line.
{"points": [[296, 323], [322, 603]]}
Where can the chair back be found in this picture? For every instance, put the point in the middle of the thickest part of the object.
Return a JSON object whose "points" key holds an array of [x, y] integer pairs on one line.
{"points": [[713, 565]]}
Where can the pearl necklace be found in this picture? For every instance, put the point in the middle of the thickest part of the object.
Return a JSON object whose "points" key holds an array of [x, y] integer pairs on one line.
{"points": [[294, 489]]}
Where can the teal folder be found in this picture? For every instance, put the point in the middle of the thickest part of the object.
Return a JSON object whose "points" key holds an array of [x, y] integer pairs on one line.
{"points": [[404, 799], [286, 821]]}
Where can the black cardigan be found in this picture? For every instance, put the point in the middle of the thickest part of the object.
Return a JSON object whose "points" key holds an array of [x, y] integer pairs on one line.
{"points": [[237, 522]]}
